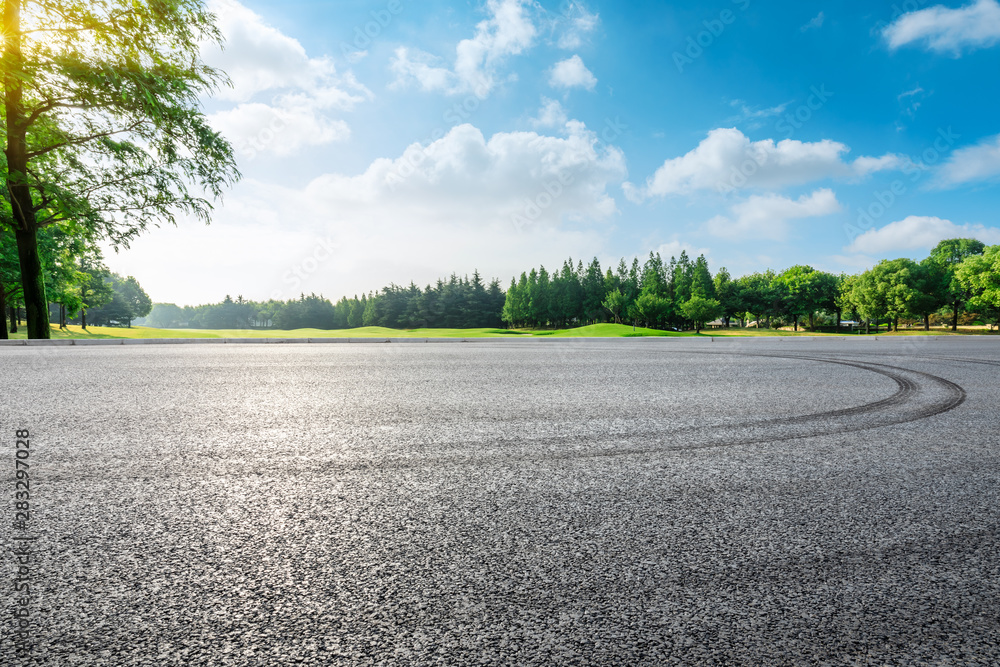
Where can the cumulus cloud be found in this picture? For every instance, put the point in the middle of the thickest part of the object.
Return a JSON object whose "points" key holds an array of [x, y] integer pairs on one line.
{"points": [[769, 216], [508, 31], [971, 165], [284, 99], [919, 232], [572, 73], [464, 177], [727, 160], [947, 30], [463, 202]]}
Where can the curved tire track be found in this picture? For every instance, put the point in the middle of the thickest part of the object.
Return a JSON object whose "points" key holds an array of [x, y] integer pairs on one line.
{"points": [[919, 396]]}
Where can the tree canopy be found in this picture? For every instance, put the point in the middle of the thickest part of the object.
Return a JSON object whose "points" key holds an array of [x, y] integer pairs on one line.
{"points": [[103, 124]]}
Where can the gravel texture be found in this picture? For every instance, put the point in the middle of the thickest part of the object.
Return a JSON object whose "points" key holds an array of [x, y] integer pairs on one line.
{"points": [[616, 502]]}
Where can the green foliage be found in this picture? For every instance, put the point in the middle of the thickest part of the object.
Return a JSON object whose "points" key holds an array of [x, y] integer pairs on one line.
{"points": [[979, 276], [104, 127], [701, 310], [128, 302], [616, 304]]}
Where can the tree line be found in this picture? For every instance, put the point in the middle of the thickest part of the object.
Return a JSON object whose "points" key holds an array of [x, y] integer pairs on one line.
{"points": [[960, 277], [456, 303], [79, 287]]}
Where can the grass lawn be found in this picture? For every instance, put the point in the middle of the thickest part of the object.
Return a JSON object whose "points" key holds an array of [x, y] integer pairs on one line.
{"points": [[592, 331]]}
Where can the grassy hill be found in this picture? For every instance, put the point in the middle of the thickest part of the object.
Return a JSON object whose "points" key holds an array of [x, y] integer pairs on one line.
{"points": [[592, 331]]}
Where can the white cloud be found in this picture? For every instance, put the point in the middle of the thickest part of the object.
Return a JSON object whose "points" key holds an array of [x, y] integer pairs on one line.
{"points": [[973, 164], [727, 160], [577, 22], [283, 98], [463, 202], [815, 23], [918, 232], [463, 177], [572, 73], [947, 30], [768, 216], [509, 31], [748, 113], [675, 248], [551, 114]]}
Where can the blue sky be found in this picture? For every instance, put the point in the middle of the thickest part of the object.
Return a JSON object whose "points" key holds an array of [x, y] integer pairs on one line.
{"points": [[399, 140]]}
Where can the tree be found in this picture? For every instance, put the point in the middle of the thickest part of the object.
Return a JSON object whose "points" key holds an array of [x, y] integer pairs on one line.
{"points": [[651, 308], [949, 254], [165, 316], [128, 302], [932, 285], [615, 303], [701, 310], [727, 293], [979, 275], [592, 283], [95, 287], [103, 122], [701, 279], [805, 291]]}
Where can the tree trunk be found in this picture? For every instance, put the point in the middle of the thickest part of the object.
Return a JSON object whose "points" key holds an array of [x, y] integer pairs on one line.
{"points": [[868, 327], [12, 310], [927, 322], [3, 312], [796, 318], [36, 306], [83, 319], [954, 317]]}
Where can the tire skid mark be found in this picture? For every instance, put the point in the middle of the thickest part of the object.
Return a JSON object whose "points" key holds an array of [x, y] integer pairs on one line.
{"points": [[908, 391]]}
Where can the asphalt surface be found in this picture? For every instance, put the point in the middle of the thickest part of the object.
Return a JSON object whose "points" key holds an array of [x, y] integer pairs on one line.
{"points": [[629, 502]]}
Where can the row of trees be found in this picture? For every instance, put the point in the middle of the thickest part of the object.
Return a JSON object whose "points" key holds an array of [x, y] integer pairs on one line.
{"points": [[80, 288], [959, 276], [455, 303]]}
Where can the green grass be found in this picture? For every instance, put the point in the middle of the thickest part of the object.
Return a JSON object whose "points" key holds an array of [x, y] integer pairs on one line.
{"points": [[612, 331], [592, 331]]}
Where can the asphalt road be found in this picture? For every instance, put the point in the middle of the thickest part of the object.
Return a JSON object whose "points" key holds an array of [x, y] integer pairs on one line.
{"points": [[632, 502]]}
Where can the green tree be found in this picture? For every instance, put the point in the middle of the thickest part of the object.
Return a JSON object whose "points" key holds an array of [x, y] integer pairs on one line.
{"points": [[979, 276], [727, 293], [701, 310], [96, 289], [701, 280], [932, 285], [101, 106], [128, 302], [651, 308], [165, 316], [949, 254], [616, 304]]}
